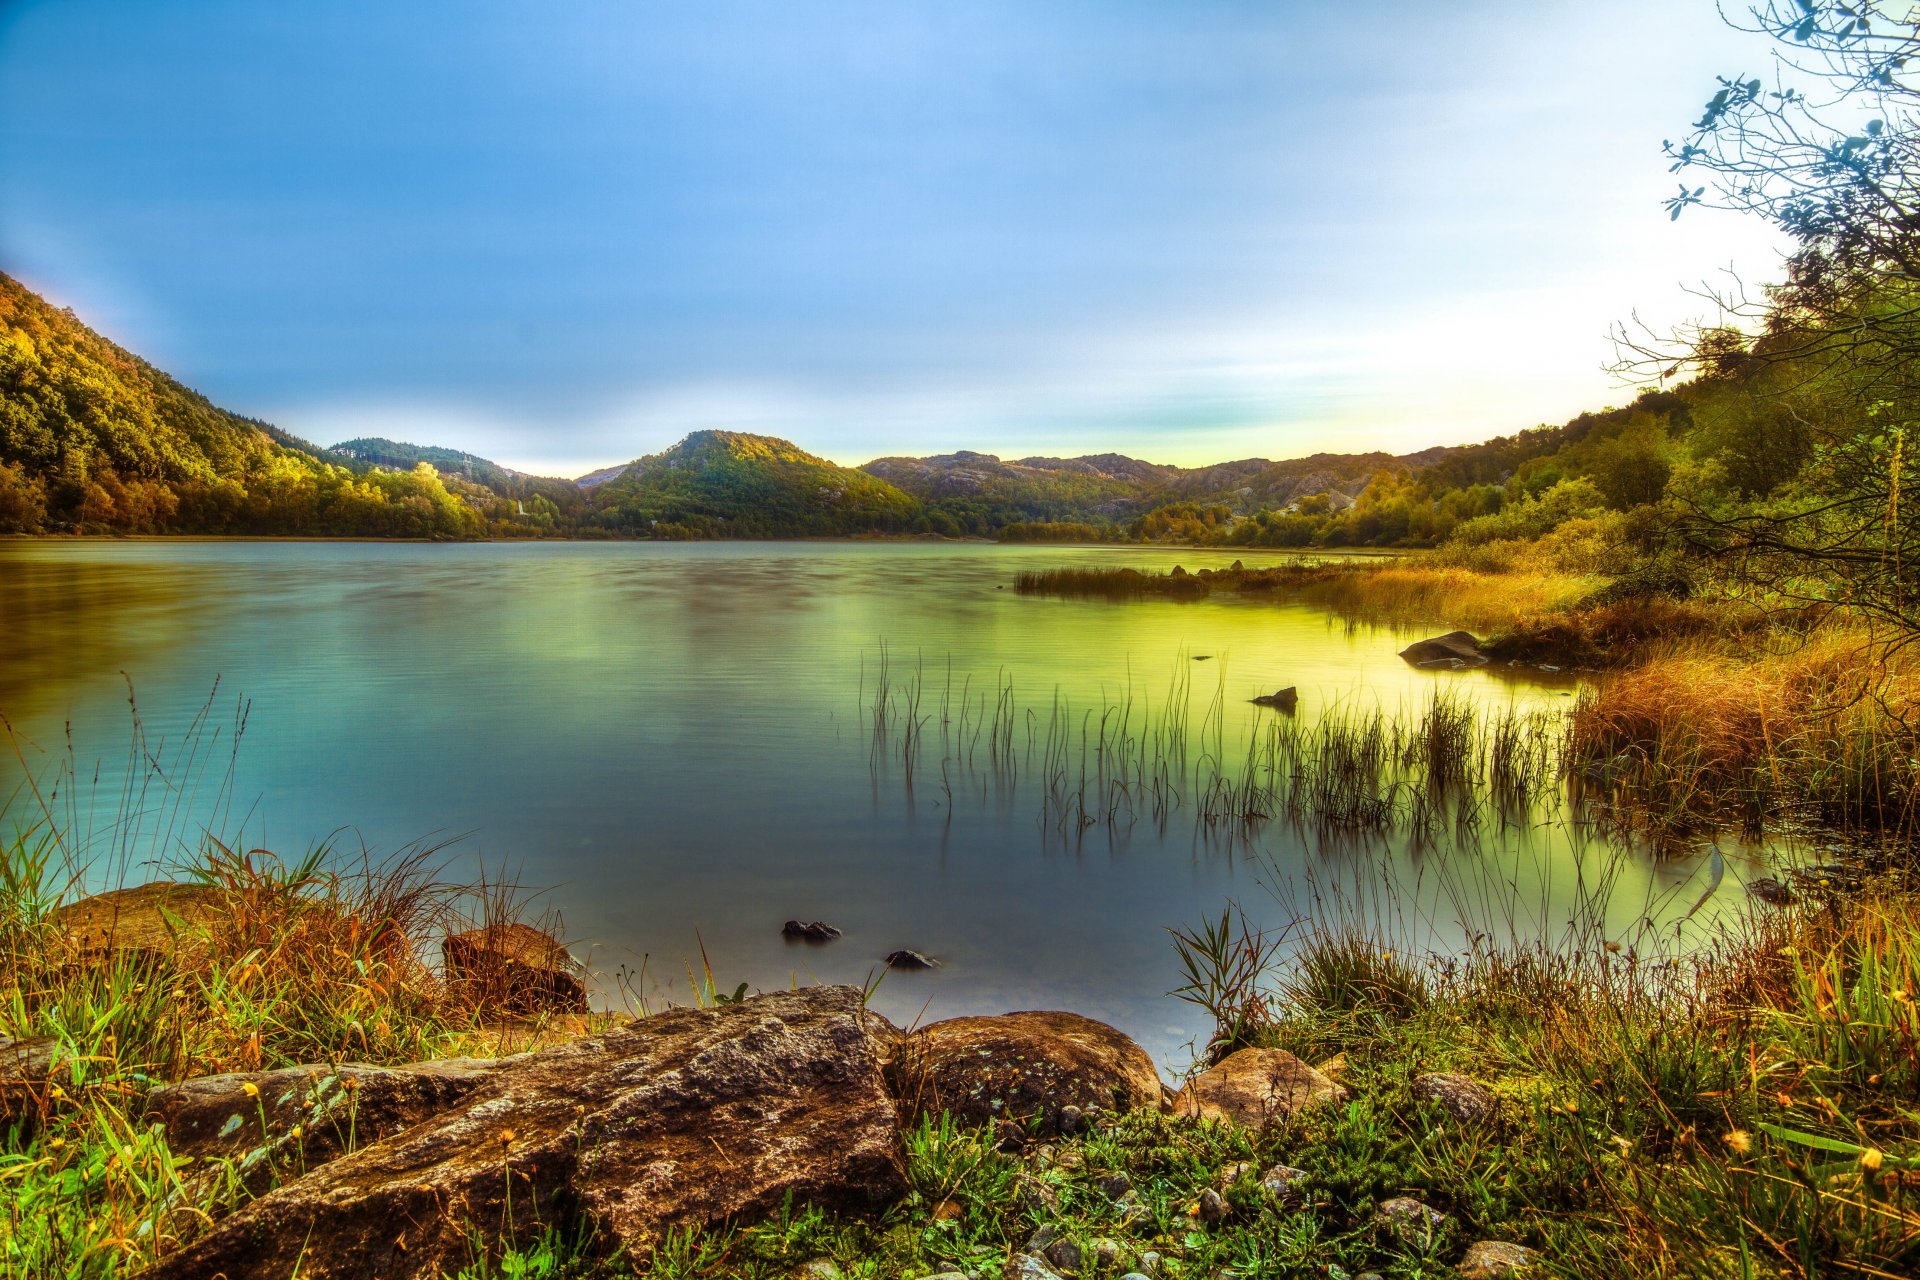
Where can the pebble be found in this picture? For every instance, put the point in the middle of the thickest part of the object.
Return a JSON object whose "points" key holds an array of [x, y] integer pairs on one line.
{"points": [[1066, 1256], [1496, 1260], [1042, 1236], [1115, 1185], [1149, 1263], [1107, 1253], [1024, 1266], [1213, 1209]]}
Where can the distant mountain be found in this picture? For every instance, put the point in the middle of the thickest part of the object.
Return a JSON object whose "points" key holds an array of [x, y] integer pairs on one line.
{"points": [[95, 439], [373, 451], [983, 493], [727, 484]]}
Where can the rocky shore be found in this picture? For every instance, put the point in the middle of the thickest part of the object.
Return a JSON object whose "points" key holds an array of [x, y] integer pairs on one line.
{"points": [[703, 1118]]}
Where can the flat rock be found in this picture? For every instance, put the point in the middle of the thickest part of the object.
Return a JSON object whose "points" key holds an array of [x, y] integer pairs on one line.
{"points": [[1454, 649], [1254, 1087], [1033, 1066], [1462, 1097], [1280, 699], [515, 967], [333, 1108], [1495, 1260], [693, 1117], [152, 921]]}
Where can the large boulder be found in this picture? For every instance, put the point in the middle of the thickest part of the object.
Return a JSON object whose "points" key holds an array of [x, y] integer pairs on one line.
{"points": [[149, 921], [1254, 1087], [1454, 649], [1027, 1067], [516, 967], [689, 1118]]}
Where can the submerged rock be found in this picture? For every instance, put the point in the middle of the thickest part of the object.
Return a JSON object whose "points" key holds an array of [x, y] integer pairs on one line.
{"points": [[1281, 699], [515, 967], [813, 931], [692, 1117], [1254, 1087], [1454, 649], [905, 959], [1042, 1068]]}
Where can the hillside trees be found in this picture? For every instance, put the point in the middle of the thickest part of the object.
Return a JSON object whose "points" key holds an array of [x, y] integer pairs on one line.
{"points": [[1814, 415]]}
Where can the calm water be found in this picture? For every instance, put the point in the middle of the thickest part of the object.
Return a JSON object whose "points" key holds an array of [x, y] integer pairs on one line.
{"points": [[677, 740]]}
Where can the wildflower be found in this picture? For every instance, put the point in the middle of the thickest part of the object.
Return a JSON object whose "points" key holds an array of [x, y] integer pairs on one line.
{"points": [[1625, 1144], [297, 1132], [1870, 1159], [1614, 947], [1788, 953], [251, 1089], [56, 1093], [54, 1144], [1740, 1141], [506, 1137]]}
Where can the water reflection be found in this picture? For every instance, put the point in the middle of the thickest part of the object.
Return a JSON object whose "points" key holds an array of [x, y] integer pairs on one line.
{"points": [[680, 740]]}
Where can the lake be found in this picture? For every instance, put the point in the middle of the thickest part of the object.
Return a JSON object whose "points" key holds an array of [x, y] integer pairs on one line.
{"points": [[677, 743]]}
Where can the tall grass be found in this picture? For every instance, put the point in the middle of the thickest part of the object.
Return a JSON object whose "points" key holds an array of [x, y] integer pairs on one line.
{"points": [[1131, 757], [1822, 729]]}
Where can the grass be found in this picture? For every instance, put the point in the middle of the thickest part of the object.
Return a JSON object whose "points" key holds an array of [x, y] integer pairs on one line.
{"points": [[318, 959]]}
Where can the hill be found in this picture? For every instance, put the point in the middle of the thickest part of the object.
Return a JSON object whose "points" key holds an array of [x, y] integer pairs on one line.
{"points": [[92, 437], [727, 484]]}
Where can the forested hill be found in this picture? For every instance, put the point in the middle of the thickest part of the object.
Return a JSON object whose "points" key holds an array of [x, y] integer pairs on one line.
{"points": [[93, 437], [729, 484]]}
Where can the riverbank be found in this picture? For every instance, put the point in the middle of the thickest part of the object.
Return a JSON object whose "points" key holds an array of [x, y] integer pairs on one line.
{"points": [[1747, 1110]]}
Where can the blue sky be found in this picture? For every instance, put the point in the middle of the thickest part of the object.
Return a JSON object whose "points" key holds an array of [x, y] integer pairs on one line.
{"points": [[562, 235]]}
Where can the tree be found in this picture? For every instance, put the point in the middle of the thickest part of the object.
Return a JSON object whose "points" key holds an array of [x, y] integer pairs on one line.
{"points": [[1827, 149]]}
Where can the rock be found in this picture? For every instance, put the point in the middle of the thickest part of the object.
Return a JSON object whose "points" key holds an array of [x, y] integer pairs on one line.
{"points": [[1285, 1183], [1253, 1087], [1043, 1236], [1286, 699], [1029, 1066], [1024, 1266], [1072, 1119], [904, 959], [27, 1070], [1770, 890], [1177, 572], [151, 921], [820, 1269], [1114, 1185], [813, 931], [691, 1117], [516, 967], [1462, 1097], [334, 1108], [1066, 1256], [1150, 1263], [1495, 1260], [1213, 1209], [1232, 1173], [1454, 649], [1106, 1253], [1409, 1223], [1035, 1195]]}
